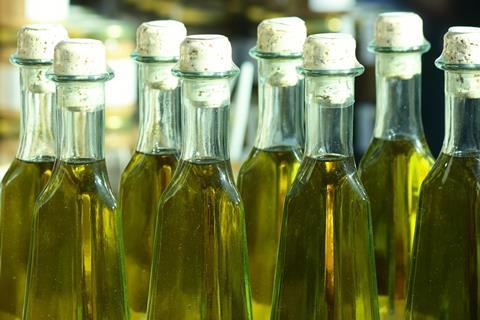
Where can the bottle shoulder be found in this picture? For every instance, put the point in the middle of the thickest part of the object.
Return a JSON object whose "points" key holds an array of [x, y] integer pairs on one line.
{"points": [[24, 173]]}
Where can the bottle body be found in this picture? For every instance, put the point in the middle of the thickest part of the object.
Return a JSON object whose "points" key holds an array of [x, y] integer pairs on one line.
{"points": [[265, 177], [76, 269], [20, 187], [148, 174], [392, 171], [444, 276], [325, 262], [23, 182], [200, 268]]}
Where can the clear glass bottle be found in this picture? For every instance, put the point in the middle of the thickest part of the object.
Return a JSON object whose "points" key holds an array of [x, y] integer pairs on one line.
{"points": [[200, 268], [325, 267], [33, 164], [76, 267], [444, 278], [155, 159], [272, 165], [398, 158]]}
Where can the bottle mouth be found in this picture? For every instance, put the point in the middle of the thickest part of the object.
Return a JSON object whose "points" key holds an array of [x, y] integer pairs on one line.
{"points": [[232, 72], [374, 48], [255, 53], [442, 65], [16, 60], [106, 76], [350, 72]]}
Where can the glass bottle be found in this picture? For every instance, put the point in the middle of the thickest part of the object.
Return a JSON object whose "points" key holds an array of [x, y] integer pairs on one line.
{"points": [[272, 165], [75, 268], [398, 158], [199, 267], [33, 164], [155, 159], [444, 278], [325, 267]]}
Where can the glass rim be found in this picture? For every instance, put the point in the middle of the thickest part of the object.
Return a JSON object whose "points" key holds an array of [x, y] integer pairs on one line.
{"points": [[108, 75], [16, 60], [255, 53], [372, 47], [206, 75], [440, 64], [355, 71], [153, 59]]}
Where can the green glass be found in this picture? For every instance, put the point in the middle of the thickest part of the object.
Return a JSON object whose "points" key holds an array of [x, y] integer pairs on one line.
{"points": [[392, 171], [76, 267], [325, 267], [266, 176], [200, 269], [24, 180], [444, 279], [148, 173]]}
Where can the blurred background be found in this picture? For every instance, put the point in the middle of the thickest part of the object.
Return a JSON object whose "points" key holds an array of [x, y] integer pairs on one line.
{"points": [[115, 22]]}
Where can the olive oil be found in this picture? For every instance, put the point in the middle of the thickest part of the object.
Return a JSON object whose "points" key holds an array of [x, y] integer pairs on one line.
{"points": [[325, 257], [398, 158], [155, 159], [444, 282], [271, 167], [199, 262], [325, 265], [444, 275], [399, 166], [76, 261], [263, 182], [19, 188], [33, 163], [200, 267], [143, 181], [76, 257]]}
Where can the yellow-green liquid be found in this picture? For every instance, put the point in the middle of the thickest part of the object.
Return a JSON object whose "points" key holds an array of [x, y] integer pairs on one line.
{"points": [[200, 253], [445, 277], [19, 188], [392, 172], [325, 267], [142, 183], [76, 267], [263, 182]]}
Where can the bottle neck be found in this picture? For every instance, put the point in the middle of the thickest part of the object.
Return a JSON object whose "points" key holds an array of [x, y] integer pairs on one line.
{"points": [[81, 112], [281, 92], [37, 125], [398, 84], [159, 104], [462, 114], [205, 119], [329, 114]]}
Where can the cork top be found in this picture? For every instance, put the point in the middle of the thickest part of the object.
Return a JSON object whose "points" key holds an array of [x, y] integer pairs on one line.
{"points": [[399, 30], [207, 53], [80, 57], [330, 51], [160, 38], [37, 41], [461, 45], [281, 35]]}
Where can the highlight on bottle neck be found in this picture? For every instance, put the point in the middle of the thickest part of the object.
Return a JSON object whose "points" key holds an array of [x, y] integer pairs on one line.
{"points": [[34, 56], [460, 60], [205, 67], [330, 66], [80, 71], [157, 51]]}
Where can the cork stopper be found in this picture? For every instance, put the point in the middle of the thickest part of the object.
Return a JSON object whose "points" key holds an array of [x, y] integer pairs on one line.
{"points": [[461, 45], [281, 35], [160, 38], [205, 53], [37, 41], [399, 30], [330, 51], [80, 57]]}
